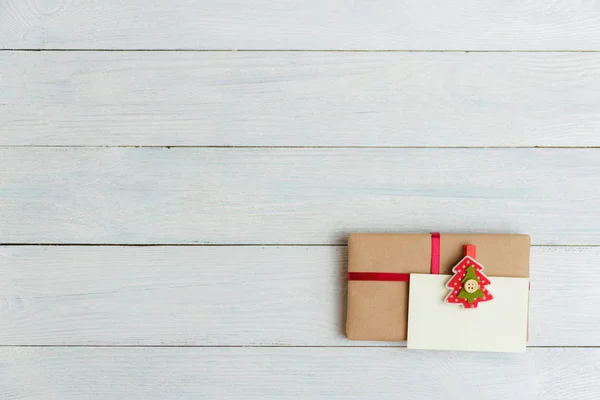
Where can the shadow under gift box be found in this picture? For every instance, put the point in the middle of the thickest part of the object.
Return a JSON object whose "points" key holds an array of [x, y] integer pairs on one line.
{"points": [[378, 310]]}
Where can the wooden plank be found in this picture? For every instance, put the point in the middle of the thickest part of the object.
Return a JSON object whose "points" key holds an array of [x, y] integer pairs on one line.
{"points": [[294, 196], [292, 373], [300, 99], [295, 24], [238, 296]]}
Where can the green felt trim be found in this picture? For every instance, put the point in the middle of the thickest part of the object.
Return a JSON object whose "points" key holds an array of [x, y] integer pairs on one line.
{"points": [[470, 275], [470, 297]]}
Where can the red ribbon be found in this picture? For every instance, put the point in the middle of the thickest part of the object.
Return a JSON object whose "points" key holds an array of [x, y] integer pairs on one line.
{"points": [[435, 252], [378, 276], [401, 277]]}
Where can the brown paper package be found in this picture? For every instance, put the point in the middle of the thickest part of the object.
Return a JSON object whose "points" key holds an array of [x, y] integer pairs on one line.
{"points": [[379, 310]]}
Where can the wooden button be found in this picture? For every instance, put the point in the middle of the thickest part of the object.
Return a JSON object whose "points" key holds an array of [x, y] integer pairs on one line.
{"points": [[471, 286]]}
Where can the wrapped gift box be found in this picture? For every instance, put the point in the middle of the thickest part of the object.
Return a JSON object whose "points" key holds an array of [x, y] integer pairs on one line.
{"points": [[379, 265]]}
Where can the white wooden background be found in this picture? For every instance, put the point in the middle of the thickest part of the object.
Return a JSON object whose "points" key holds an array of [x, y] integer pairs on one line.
{"points": [[178, 177]]}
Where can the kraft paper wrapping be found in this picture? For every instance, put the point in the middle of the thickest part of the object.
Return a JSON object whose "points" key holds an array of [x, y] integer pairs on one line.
{"points": [[379, 310]]}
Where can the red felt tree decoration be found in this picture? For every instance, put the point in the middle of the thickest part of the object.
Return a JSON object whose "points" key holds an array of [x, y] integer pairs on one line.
{"points": [[468, 285]]}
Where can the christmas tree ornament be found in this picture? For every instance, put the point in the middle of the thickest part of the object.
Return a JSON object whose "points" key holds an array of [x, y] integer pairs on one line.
{"points": [[468, 284]]}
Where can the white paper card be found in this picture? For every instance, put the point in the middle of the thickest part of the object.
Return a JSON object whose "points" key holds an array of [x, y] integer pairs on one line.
{"points": [[496, 325]]}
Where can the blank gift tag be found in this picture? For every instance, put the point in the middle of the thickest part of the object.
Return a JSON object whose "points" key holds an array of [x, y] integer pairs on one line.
{"points": [[497, 325]]}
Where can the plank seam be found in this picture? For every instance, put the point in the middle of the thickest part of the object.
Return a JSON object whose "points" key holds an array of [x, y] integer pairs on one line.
{"points": [[245, 346], [226, 245], [189, 50], [167, 147]]}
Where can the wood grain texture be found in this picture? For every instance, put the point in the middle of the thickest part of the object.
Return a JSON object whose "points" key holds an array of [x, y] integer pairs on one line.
{"points": [[300, 99], [230, 301], [295, 196], [293, 373], [295, 24], [238, 296]]}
